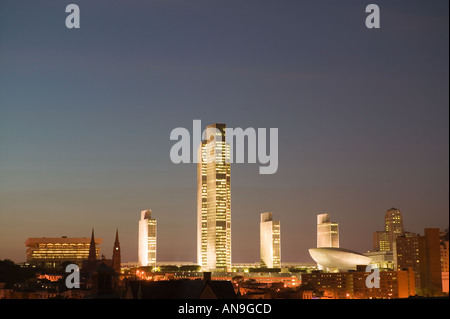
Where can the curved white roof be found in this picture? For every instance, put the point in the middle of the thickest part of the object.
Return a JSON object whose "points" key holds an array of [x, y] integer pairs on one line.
{"points": [[340, 258]]}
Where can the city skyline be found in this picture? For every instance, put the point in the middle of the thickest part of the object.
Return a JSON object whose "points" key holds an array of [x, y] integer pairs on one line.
{"points": [[327, 236], [85, 119]]}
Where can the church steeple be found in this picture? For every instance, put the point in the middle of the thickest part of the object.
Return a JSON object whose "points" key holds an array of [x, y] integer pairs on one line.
{"points": [[92, 251], [116, 253]]}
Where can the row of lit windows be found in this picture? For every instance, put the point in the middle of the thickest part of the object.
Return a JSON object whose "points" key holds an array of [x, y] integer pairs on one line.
{"points": [[58, 249], [63, 244]]}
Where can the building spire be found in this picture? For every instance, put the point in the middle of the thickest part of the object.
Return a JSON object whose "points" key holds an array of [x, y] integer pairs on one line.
{"points": [[116, 253], [92, 250], [117, 236], [92, 257]]}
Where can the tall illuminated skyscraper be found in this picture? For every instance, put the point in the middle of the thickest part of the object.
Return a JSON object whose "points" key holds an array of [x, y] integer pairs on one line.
{"points": [[147, 239], [214, 201], [393, 227], [327, 232], [270, 245], [393, 224]]}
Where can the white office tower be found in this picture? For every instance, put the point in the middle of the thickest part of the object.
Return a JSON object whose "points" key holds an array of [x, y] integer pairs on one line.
{"points": [[327, 233], [147, 239], [270, 245], [214, 201]]}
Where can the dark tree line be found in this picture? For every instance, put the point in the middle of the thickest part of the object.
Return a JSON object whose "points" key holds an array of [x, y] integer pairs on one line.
{"points": [[10, 273]]}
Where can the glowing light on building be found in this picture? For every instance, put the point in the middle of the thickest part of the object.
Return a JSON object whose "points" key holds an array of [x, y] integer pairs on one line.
{"points": [[214, 201], [147, 239], [327, 232], [270, 246], [53, 251], [393, 227]]}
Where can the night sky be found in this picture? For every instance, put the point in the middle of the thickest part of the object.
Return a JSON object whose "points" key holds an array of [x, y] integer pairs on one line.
{"points": [[86, 115]]}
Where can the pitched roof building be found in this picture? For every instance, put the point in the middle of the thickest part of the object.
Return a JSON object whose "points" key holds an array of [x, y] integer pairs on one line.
{"points": [[180, 289]]}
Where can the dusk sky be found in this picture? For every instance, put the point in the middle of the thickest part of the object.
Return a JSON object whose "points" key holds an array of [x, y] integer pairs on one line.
{"points": [[86, 115]]}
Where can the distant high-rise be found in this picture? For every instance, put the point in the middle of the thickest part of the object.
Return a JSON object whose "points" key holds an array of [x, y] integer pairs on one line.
{"points": [[393, 224], [147, 239], [393, 227], [270, 242], [327, 232], [381, 241], [214, 201]]}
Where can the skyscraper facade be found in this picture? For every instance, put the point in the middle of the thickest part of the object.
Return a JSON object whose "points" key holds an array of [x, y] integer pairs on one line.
{"points": [[393, 227], [393, 224], [214, 201], [423, 255], [381, 241], [410, 253], [147, 239], [327, 232], [270, 245]]}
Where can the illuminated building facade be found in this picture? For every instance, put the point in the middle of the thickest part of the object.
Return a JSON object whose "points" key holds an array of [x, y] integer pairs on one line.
{"points": [[147, 239], [410, 253], [334, 285], [270, 242], [393, 224], [393, 285], [338, 259], [423, 255], [327, 232], [384, 260], [393, 227], [445, 261], [352, 285], [214, 201], [51, 252], [381, 241]]}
